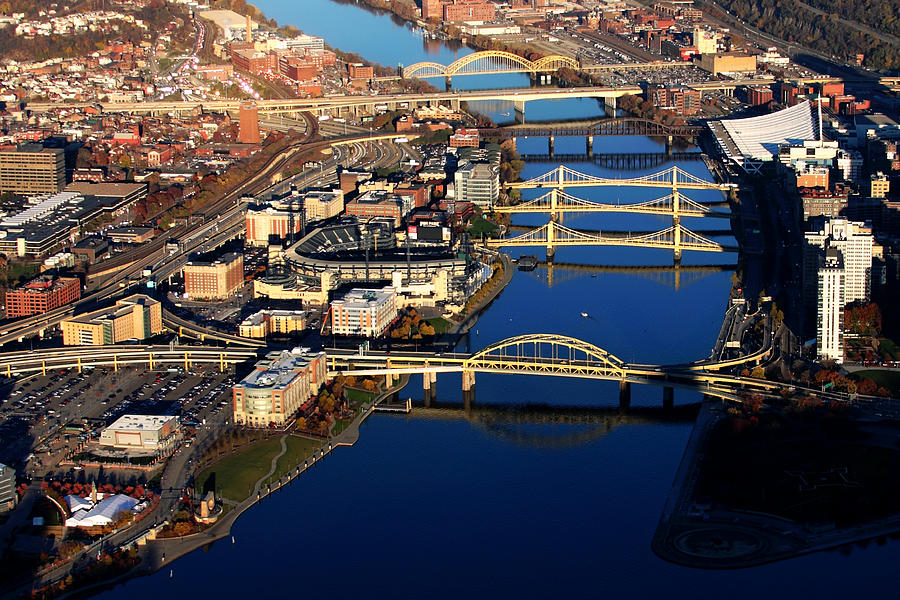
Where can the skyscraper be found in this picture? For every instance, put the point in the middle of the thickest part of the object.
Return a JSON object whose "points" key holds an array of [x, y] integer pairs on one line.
{"points": [[830, 306], [855, 241], [248, 133]]}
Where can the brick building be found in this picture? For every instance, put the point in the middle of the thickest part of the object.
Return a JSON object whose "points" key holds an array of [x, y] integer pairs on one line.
{"points": [[41, 295], [214, 280]]}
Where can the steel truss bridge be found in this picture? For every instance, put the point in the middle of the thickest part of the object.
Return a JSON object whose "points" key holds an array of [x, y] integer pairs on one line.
{"points": [[490, 62], [553, 235], [624, 160], [617, 126], [673, 177], [557, 201], [116, 357]]}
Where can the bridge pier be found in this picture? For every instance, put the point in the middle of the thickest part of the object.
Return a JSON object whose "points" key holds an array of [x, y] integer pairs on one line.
{"points": [[468, 381], [429, 391], [610, 105], [519, 109], [448, 84], [551, 140], [589, 145], [668, 397], [668, 145], [468, 387], [624, 395]]}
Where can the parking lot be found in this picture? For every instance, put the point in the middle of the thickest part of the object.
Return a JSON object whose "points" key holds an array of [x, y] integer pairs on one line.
{"points": [[44, 419]]}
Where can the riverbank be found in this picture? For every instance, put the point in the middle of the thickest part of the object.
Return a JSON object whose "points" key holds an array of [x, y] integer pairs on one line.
{"points": [[154, 554]]}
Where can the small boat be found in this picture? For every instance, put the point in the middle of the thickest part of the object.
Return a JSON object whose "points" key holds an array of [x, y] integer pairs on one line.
{"points": [[584, 315], [232, 539], [171, 574]]}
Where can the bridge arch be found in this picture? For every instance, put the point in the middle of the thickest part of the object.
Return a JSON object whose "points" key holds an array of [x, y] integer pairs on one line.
{"points": [[547, 353], [490, 61]]}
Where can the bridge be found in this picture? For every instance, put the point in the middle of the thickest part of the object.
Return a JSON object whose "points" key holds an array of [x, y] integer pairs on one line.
{"points": [[489, 62], [589, 129], [673, 177], [553, 235], [552, 355], [80, 357], [629, 161], [556, 202], [342, 104]]}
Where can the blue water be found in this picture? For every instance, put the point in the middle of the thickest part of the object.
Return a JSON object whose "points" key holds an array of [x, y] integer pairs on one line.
{"points": [[381, 39], [451, 508]]}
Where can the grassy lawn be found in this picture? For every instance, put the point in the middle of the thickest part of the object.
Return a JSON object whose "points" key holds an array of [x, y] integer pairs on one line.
{"points": [[888, 379], [339, 426], [484, 226], [359, 396], [15, 270], [298, 448], [440, 325], [235, 476]]}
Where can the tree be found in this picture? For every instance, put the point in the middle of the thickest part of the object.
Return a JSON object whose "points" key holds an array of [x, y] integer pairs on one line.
{"points": [[867, 387], [182, 528], [758, 373]]}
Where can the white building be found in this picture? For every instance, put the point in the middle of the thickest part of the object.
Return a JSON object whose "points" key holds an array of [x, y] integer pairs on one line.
{"points": [[830, 306], [142, 432], [87, 514], [849, 163], [364, 312], [7, 488], [478, 183], [855, 241], [322, 204]]}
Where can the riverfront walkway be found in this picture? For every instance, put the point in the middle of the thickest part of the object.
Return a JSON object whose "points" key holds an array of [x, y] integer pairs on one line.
{"points": [[157, 553]]}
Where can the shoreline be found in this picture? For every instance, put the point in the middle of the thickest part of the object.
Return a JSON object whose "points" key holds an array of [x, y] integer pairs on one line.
{"points": [[155, 554]]}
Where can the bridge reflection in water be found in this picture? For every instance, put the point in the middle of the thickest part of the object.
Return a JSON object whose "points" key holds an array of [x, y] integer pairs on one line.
{"points": [[544, 426], [672, 275]]}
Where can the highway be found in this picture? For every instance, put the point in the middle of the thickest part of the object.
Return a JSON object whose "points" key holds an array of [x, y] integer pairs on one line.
{"points": [[318, 105]]}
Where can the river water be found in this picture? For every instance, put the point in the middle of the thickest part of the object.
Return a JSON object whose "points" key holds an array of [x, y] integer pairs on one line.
{"points": [[499, 506]]}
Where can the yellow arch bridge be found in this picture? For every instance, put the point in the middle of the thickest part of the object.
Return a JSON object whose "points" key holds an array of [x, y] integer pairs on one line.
{"points": [[489, 62], [552, 355]]}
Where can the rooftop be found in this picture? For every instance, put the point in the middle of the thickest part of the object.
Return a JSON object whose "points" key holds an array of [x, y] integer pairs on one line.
{"points": [[278, 370], [758, 138], [140, 422], [122, 307]]}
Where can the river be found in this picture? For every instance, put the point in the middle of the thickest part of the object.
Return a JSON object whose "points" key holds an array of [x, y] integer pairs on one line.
{"points": [[497, 506]]}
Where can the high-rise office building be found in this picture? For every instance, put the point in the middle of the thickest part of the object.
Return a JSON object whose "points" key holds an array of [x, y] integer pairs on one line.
{"points": [[248, 131], [32, 169], [830, 306], [854, 241]]}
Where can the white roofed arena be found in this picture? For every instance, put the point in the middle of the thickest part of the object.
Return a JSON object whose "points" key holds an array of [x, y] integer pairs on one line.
{"points": [[753, 141]]}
